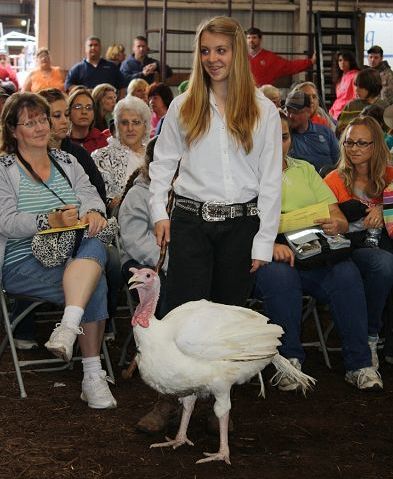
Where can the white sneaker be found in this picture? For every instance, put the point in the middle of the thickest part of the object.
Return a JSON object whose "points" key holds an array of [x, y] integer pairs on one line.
{"points": [[287, 383], [96, 392], [25, 344], [61, 341], [373, 344], [364, 378]]}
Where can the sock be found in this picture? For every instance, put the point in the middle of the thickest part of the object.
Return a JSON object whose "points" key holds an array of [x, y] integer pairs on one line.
{"points": [[72, 316], [373, 339], [91, 365]]}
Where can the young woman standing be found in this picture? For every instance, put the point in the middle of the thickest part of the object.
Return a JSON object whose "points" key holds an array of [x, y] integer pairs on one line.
{"points": [[227, 203], [347, 69]]}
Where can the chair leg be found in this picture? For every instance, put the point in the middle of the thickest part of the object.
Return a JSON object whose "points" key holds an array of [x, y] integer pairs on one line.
{"points": [[321, 337], [310, 308], [125, 347], [108, 363], [14, 354], [16, 321]]}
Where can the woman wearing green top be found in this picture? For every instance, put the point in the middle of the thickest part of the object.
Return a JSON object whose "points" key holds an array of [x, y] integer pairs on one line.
{"points": [[280, 285]]}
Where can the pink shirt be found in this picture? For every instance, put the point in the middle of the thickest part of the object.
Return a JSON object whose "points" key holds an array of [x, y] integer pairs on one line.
{"points": [[345, 92]]}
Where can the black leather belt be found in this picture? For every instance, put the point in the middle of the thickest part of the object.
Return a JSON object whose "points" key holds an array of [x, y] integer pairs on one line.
{"points": [[217, 210]]}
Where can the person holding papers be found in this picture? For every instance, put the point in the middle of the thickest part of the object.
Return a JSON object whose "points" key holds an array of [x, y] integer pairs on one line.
{"points": [[281, 285]]}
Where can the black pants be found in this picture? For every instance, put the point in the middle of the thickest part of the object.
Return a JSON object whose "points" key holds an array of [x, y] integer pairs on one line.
{"points": [[209, 260]]}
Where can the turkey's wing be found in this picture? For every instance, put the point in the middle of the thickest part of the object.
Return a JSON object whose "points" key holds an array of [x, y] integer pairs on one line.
{"points": [[215, 331]]}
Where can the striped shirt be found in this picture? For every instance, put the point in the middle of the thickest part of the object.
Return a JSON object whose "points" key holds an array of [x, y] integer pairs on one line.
{"points": [[35, 198]]}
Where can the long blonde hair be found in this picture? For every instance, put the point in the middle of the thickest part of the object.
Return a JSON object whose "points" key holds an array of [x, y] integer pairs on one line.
{"points": [[241, 109], [379, 160]]}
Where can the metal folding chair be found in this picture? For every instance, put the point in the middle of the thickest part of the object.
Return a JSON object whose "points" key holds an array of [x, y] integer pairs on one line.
{"points": [[56, 364], [310, 308], [130, 307]]}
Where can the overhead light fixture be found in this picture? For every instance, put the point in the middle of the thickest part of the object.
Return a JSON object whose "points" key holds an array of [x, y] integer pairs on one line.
{"points": [[23, 23]]}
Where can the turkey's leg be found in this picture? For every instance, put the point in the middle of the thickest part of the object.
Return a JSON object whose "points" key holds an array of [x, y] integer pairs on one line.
{"points": [[181, 436], [223, 453]]}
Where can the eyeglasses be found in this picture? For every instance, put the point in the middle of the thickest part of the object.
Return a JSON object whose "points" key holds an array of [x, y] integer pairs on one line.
{"points": [[132, 122], [33, 123], [360, 143], [79, 107]]}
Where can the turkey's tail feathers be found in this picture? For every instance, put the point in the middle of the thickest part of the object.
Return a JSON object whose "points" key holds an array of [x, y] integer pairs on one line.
{"points": [[284, 367]]}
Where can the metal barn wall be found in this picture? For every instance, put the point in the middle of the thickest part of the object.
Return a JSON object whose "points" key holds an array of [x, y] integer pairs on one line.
{"points": [[122, 24], [65, 32], [64, 24]]}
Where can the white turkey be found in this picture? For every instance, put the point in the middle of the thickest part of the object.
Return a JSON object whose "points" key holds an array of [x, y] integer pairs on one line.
{"points": [[203, 348]]}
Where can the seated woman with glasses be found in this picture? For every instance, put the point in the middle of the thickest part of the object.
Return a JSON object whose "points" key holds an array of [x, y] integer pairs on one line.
{"points": [[125, 151], [282, 283], [42, 188], [81, 108], [358, 182]]}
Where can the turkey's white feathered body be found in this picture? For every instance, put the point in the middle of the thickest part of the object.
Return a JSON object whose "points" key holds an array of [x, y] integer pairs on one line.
{"points": [[204, 348]]}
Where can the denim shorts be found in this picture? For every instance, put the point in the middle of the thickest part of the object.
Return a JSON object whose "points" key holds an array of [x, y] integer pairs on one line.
{"points": [[30, 278]]}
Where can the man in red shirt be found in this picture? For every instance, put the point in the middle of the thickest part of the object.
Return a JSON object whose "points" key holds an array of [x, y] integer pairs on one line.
{"points": [[266, 66]]}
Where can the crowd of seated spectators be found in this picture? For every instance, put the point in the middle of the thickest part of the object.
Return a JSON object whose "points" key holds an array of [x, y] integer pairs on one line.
{"points": [[104, 112]]}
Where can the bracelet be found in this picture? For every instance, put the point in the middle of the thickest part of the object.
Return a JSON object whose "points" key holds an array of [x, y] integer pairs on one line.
{"points": [[95, 210]]}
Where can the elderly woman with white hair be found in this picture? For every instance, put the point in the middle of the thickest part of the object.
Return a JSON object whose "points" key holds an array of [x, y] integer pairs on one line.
{"points": [[125, 151]]}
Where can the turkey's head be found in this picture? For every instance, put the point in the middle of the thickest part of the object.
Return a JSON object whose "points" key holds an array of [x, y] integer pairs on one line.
{"points": [[147, 282]]}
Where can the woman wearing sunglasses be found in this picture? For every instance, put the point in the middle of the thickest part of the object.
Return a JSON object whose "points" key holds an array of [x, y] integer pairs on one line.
{"points": [[358, 182], [42, 188], [125, 151], [81, 108]]}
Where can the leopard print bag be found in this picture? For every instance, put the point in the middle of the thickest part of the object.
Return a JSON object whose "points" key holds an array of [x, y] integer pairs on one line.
{"points": [[54, 249]]}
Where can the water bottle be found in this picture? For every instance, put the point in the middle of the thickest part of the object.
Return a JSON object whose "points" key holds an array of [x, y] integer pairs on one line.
{"points": [[372, 238]]}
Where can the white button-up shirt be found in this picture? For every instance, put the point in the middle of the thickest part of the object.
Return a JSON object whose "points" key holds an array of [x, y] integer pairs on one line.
{"points": [[216, 168]]}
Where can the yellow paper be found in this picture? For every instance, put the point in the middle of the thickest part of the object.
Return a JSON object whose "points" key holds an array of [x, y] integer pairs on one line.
{"points": [[65, 228], [303, 217]]}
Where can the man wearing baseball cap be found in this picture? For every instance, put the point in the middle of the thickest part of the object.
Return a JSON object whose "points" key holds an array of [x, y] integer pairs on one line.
{"points": [[311, 142]]}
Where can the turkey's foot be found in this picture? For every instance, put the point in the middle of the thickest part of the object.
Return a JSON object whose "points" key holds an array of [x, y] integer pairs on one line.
{"points": [[175, 443], [221, 455]]}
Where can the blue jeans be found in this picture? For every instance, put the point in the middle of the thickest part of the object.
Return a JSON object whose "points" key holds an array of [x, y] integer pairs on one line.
{"points": [[30, 278], [281, 289], [376, 268]]}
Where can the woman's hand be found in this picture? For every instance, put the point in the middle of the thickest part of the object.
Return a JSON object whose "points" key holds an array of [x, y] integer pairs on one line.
{"points": [[284, 254], [162, 232], [330, 226], [66, 216], [96, 222], [374, 218], [257, 263], [114, 202]]}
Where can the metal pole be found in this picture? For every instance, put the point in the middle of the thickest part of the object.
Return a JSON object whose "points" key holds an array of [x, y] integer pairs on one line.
{"points": [[163, 40], [252, 14], [145, 13], [229, 8]]}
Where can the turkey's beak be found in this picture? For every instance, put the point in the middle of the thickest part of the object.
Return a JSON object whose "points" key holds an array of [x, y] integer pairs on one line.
{"points": [[134, 281]]}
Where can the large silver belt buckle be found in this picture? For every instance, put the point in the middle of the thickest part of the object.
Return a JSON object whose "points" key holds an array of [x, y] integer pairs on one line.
{"points": [[209, 211]]}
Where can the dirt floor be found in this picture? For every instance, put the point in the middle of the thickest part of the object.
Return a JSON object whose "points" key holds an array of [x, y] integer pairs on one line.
{"points": [[336, 432]]}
